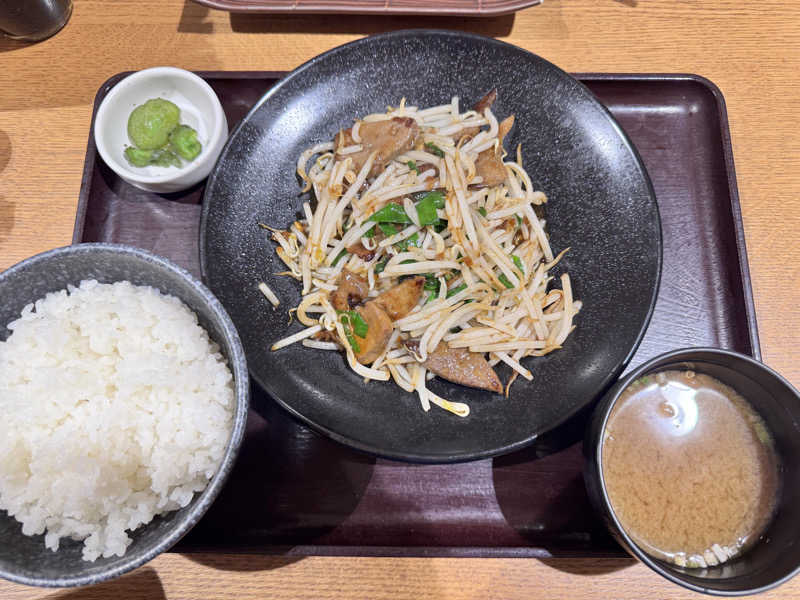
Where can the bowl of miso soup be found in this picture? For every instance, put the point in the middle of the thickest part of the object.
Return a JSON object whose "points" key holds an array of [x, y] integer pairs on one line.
{"points": [[693, 460]]}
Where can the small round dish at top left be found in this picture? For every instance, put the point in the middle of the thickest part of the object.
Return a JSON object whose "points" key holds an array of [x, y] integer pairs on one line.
{"points": [[200, 109]]}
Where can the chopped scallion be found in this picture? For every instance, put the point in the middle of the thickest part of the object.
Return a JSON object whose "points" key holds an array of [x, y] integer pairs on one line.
{"points": [[387, 229], [391, 213], [431, 282], [455, 290], [360, 326], [504, 280], [412, 240], [434, 149], [381, 266], [518, 261]]}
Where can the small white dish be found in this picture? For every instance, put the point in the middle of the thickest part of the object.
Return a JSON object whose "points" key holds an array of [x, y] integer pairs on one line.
{"points": [[200, 109]]}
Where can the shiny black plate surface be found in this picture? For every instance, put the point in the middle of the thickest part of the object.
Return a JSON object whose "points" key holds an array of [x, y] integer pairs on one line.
{"points": [[601, 205]]}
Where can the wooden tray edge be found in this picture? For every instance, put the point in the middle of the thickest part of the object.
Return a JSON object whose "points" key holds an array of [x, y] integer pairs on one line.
{"points": [[344, 7]]}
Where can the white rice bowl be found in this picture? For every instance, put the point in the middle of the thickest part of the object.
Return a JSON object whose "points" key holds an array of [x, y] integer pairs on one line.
{"points": [[115, 407]]}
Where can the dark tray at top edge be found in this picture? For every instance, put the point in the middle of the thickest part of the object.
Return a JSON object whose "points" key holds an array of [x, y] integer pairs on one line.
{"points": [[356, 525]]}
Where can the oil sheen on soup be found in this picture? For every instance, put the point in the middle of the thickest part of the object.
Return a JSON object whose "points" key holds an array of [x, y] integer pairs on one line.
{"points": [[690, 468]]}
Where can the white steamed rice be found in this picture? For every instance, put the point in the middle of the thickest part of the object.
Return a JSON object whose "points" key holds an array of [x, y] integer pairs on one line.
{"points": [[115, 406]]}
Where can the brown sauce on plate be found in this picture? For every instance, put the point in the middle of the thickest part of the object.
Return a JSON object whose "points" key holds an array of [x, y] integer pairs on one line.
{"points": [[690, 468]]}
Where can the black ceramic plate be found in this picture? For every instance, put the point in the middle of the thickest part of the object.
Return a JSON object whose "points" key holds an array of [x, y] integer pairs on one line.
{"points": [[601, 204]]}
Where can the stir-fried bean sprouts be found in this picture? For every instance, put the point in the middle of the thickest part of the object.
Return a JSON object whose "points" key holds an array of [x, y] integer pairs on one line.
{"points": [[432, 210]]}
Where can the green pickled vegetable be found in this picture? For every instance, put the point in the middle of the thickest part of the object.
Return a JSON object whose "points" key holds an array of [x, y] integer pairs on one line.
{"points": [[482, 211], [158, 138], [143, 158], [165, 158], [151, 123], [137, 157], [183, 141]]}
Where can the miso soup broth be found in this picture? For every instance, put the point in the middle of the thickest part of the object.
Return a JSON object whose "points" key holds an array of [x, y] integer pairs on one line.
{"points": [[690, 469]]}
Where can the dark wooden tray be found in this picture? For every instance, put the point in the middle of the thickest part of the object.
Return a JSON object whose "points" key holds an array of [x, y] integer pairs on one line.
{"points": [[467, 8], [295, 492]]}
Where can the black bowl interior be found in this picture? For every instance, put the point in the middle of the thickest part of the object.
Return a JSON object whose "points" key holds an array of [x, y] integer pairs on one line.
{"points": [[601, 205], [25, 558], [776, 556]]}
